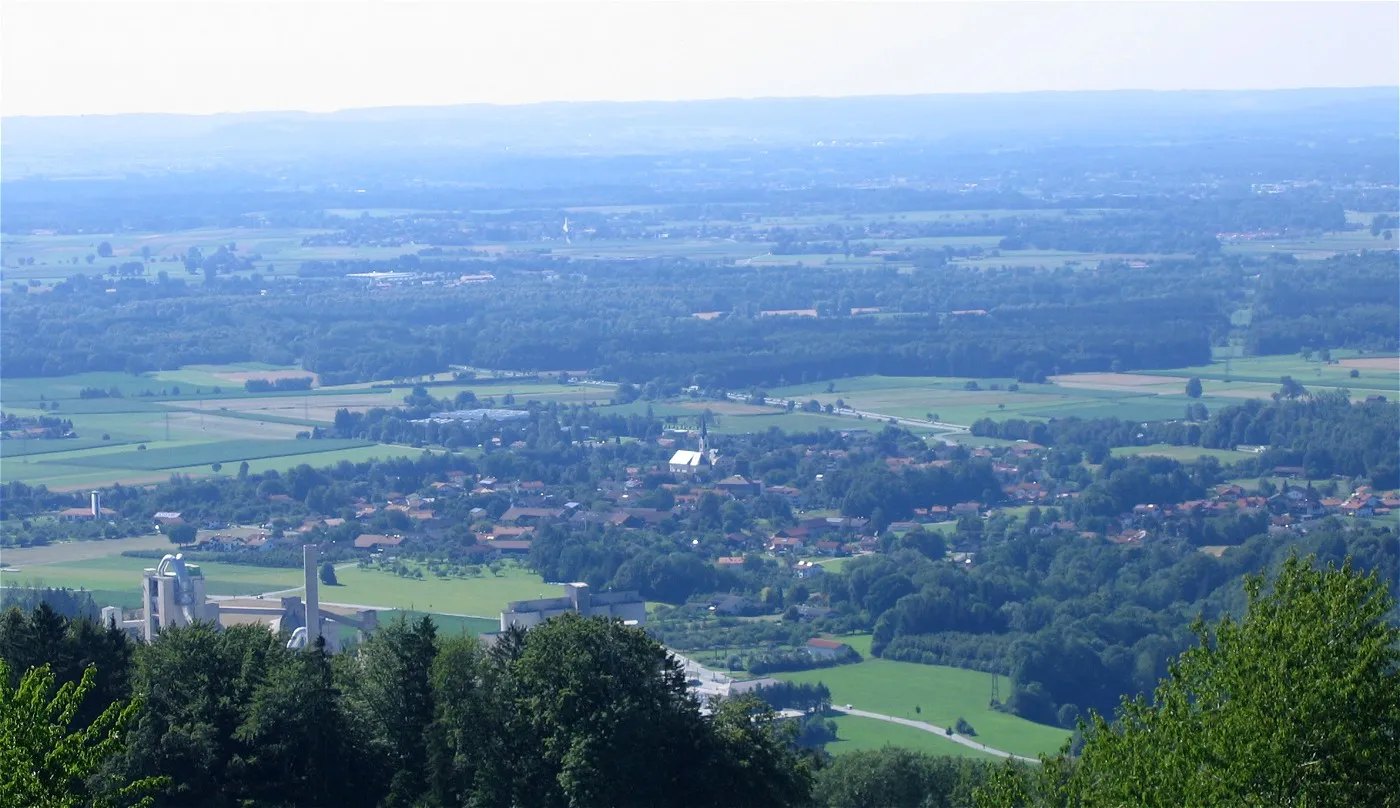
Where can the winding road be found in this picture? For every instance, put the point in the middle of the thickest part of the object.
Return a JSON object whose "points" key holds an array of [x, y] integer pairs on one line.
{"points": [[936, 730]]}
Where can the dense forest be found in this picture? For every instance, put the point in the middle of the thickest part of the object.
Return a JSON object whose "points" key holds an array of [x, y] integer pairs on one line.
{"points": [[1324, 433]]}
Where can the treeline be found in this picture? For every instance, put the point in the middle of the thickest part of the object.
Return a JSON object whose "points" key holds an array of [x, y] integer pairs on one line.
{"points": [[277, 385], [1323, 432], [633, 321], [1075, 622], [233, 717], [1350, 301]]}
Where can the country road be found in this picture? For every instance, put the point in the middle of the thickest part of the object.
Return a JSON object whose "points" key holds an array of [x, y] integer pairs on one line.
{"points": [[948, 429], [939, 731]]}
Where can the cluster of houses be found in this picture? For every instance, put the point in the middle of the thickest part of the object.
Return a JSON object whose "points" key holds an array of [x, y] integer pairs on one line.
{"points": [[625, 503]]}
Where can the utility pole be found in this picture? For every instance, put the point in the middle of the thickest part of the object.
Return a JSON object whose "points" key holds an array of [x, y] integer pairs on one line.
{"points": [[996, 690], [167, 426]]}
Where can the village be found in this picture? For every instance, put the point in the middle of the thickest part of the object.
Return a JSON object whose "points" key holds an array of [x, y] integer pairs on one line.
{"points": [[487, 519]]}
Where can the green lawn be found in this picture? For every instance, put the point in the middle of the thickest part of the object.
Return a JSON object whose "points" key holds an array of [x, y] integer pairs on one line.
{"points": [[1185, 454], [855, 733], [484, 597], [123, 574], [943, 695]]}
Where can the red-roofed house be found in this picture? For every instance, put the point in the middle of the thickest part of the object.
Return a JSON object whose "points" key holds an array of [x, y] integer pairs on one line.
{"points": [[376, 541], [823, 648]]}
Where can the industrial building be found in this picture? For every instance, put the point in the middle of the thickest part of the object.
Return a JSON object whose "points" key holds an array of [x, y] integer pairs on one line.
{"points": [[626, 606], [173, 595]]}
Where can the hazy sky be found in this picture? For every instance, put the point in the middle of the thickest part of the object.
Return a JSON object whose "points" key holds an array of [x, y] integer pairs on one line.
{"points": [[200, 56]]}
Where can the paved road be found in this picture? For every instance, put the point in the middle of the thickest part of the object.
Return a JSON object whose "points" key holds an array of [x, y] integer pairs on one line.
{"points": [[939, 731], [948, 429]]}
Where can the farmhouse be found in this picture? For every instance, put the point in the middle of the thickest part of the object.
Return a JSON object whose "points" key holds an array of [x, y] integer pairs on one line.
{"points": [[739, 486], [824, 649], [528, 516], [376, 541], [168, 518]]}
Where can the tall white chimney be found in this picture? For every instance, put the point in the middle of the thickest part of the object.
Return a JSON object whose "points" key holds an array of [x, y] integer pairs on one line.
{"points": [[96, 504], [313, 601]]}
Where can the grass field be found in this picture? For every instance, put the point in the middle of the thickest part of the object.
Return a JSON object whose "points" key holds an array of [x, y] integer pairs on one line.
{"points": [[1378, 373], [1184, 454], [61, 476], [1136, 396], [118, 579], [856, 733], [184, 425], [122, 576], [943, 695], [947, 400], [482, 597]]}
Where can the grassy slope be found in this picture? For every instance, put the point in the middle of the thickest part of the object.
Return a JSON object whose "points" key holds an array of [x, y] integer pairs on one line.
{"points": [[856, 734], [943, 695]]}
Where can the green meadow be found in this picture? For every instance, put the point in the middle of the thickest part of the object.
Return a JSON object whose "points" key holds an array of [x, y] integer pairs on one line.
{"points": [[484, 596], [947, 399], [1375, 372], [857, 733], [934, 693], [1185, 454], [121, 577], [173, 421]]}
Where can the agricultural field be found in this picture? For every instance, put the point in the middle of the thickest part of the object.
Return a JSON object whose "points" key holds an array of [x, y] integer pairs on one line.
{"points": [[202, 454], [526, 390], [1312, 247], [947, 400], [273, 251], [734, 418], [1375, 374], [857, 733], [942, 694], [174, 422]]}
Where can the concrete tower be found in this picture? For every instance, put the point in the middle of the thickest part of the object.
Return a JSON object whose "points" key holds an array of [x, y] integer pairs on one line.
{"points": [[313, 601], [96, 504]]}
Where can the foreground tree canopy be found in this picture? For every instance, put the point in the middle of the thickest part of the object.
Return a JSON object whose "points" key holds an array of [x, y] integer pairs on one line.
{"points": [[1298, 703]]}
